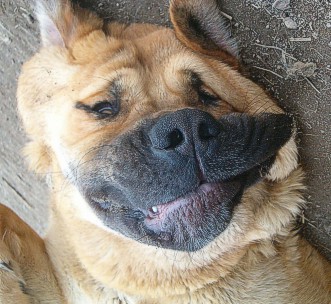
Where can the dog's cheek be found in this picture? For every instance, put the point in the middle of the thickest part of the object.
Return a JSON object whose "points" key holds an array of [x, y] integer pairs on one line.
{"points": [[42, 81], [38, 156], [286, 161]]}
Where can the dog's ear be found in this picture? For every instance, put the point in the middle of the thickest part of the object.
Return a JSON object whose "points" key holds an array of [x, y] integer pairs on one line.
{"points": [[62, 23], [200, 25]]}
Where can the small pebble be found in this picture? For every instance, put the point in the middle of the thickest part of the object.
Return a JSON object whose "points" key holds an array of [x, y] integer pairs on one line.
{"points": [[28, 18], [290, 23], [281, 4], [328, 25], [305, 69], [329, 44], [5, 40]]}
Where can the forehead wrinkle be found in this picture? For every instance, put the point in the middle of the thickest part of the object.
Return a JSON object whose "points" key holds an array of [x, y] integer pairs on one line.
{"points": [[181, 63], [102, 82], [150, 71], [97, 74]]}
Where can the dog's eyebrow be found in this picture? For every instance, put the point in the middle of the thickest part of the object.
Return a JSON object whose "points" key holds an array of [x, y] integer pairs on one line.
{"points": [[82, 106], [195, 79]]}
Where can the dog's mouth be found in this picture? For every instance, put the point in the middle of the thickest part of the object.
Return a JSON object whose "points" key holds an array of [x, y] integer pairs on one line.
{"points": [[191, 210], [205, 196], [197, 200]]}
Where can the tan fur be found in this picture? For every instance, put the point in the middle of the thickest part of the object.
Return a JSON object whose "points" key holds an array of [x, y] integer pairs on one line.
{"points": [[259, 258]]}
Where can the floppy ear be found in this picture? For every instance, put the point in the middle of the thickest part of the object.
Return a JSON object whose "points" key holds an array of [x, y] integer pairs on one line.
{"points": [[61, 23], [200, 25]]}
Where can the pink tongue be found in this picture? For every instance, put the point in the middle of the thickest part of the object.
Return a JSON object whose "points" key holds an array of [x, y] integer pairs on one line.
{"points": [[190, 208]]}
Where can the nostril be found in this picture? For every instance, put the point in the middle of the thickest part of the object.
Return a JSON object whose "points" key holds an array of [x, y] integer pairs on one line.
{"points": [[182, 130], [208, 131], [175, 138]]}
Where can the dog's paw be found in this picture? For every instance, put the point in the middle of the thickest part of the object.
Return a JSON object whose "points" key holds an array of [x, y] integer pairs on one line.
{"points": [[26, 275]]}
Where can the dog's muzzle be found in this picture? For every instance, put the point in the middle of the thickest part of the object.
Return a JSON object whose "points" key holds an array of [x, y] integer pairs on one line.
{"points": [[173, 181]]}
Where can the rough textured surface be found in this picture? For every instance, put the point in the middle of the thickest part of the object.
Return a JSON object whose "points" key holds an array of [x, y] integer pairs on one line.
{"points": [[292, 64]]}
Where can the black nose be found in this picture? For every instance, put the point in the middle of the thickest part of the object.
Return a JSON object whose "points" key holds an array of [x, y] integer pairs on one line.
{"points": [[184, 129]]}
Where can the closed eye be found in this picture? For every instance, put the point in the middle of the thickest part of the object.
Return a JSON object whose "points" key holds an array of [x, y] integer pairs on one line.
{"points": [[207, 98], [101, 109], [107, 108], [205, 95]]}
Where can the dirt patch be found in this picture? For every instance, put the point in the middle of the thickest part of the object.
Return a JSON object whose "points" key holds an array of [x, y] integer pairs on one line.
{"points": [[286, 47]]}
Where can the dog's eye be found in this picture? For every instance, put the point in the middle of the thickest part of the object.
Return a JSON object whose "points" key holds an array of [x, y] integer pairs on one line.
{"points": [[106, 108], [207, 97]]}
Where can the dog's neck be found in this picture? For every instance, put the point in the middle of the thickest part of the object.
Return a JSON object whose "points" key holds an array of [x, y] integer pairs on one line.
{"points": [[77, 284]]}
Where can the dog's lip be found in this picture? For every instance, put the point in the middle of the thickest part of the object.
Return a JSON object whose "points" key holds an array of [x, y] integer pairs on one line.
{"points": [[192, 208], [158, 211]]}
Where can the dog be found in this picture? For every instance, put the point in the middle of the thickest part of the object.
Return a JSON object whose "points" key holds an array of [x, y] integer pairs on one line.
{"points": [[173, 178]]}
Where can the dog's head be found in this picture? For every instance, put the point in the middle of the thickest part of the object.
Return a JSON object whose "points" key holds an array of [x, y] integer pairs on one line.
{"points": [[168, 147]]}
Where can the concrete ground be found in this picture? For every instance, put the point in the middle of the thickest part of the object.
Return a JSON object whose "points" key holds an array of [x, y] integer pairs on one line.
{"points": [[286, 49]]}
